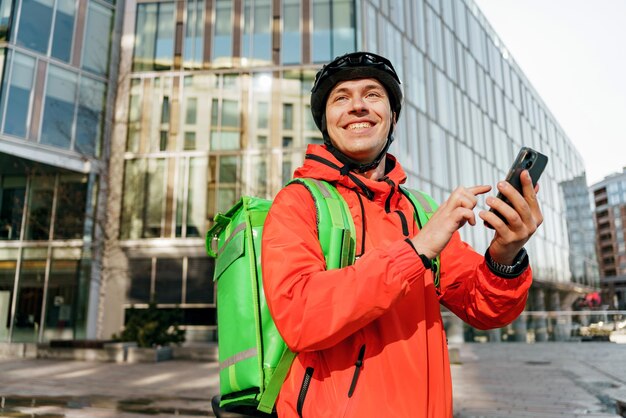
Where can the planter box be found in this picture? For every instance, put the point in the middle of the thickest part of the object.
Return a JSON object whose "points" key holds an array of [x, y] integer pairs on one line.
{"points": [[149, 355]]}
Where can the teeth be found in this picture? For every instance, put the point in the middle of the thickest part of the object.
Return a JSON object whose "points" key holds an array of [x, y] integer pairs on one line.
{"points": [[360, 125]]}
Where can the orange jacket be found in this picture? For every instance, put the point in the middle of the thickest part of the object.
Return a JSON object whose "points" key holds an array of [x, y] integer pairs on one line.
{"points": [[382, 312]]}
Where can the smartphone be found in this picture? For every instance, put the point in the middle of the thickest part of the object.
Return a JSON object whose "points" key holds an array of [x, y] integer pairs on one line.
{"points": [[527, 159]]}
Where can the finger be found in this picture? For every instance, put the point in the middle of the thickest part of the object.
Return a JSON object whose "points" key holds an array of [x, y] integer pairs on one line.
{"points": [[507, 211], [495, 221], [463, 215], [478, 190], [519, 203]]}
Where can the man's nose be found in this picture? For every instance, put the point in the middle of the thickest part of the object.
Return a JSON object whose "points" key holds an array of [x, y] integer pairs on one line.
{"points": [[358, 104]]}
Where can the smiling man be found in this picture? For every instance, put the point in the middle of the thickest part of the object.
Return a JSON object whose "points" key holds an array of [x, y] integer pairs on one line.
{"points": [[369, 337]]}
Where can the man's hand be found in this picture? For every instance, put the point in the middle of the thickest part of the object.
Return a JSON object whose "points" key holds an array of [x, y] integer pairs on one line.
{"points": [[450, 216], [523, 216]]}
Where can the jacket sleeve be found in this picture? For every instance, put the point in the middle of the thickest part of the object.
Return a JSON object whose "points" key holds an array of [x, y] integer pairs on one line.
{"points": [[313, 308], [474, 293]]}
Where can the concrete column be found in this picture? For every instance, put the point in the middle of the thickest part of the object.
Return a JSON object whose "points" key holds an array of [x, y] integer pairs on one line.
{"points": [[520, 329], [540, 322], [562, 323], [455, 330], [495, 335]]}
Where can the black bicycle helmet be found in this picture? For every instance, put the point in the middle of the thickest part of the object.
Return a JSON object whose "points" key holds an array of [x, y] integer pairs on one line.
{"points": [[354, 66]]}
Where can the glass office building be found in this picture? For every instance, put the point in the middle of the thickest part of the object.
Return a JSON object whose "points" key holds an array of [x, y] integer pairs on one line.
{"points": [[57, 76], [214, 103]]}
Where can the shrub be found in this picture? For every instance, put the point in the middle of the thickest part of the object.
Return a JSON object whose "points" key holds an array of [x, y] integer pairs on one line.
{"points": [[153, 327]]}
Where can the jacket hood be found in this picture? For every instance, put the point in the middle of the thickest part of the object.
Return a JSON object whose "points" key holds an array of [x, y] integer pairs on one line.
{"points": [[320, 164]]}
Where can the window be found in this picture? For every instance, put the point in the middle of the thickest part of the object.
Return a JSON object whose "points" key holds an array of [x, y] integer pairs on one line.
{"points": [[18, 98], [144, 198], [71, 207], [154, 37], [292, 34], [200, 288], [140, 270], [35, 24], [58, 110], [12, 207], [6, 13], [62, 299], [168, 280], [287, 116], [194, 33], [333, 29], [222, 39], [97, 39], [7, 283], [40, 201], [63, 30], [90, 117], [257, 37], [225, 132]]}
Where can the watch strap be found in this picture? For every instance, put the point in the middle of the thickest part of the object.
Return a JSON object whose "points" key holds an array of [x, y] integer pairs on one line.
{"points": [[520, 263]]}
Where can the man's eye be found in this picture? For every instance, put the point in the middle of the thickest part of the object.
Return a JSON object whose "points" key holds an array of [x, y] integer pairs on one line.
{"points": [[340, 98]]}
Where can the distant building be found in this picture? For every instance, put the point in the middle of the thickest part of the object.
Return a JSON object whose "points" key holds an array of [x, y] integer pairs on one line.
{"points": [[581, 232], [116, 152], [610, 219]]}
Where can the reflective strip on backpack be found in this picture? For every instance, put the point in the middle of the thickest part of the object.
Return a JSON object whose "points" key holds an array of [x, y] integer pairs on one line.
{"points": [[244, 355], [238, 229], [425, 203]]}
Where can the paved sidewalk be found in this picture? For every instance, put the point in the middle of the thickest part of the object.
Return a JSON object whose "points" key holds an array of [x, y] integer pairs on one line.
{"points": [[493, 380], [540, 380]]}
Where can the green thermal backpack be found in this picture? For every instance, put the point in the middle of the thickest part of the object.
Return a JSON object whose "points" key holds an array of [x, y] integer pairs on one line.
{"points": [[253, 358]]}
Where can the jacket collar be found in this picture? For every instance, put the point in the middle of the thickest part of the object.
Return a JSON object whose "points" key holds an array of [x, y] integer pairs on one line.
{"points": [[320, 164]]}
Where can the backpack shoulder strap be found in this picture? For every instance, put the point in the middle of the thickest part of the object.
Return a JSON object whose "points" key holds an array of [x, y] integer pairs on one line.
{"points": [[425, 207], [335, 225], [337, 237]]}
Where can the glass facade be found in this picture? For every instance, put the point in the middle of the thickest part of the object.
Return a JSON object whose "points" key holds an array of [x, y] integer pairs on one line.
{"points": [[53, 143]]}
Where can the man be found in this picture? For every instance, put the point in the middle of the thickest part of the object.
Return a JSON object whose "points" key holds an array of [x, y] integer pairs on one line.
{"points": [[369, 337]]}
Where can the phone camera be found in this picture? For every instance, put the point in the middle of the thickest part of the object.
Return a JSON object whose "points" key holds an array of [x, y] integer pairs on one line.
{"points": [[528, 164]]}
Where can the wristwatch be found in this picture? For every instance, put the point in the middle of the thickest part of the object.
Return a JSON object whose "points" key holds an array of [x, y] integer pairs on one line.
{"points": [[520, 263]]}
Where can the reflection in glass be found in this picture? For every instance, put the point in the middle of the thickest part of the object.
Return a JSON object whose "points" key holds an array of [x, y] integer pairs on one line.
{"points": [[144, 197], [90, 118], [12, 207], [17, 102], [7, 282], [62, 295], [199, 285], [58, 110], [196, 198], [222, 38], [321, 36], [194, 31], [168, 280], [71, 207], [140, 269], [97, 44], [6, 11], [35, 24], [40, 201], [154, 37], [27, 321], [291, 50], [256, 39], [63, 30]]}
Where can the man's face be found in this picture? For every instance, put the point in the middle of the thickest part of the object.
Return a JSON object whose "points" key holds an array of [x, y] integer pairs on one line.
{"points": [[358, 118]]}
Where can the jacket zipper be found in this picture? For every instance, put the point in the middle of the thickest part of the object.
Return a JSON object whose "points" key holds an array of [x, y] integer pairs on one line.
{"points": [[405, 225], [306, 381], [358, 195], [358, 365]]}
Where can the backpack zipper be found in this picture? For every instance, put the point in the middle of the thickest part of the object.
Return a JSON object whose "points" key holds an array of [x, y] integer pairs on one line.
{"points": [[306, 381]]}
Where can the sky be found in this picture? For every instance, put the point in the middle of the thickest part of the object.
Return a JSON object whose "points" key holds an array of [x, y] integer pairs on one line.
{"points": [[574, 54]]}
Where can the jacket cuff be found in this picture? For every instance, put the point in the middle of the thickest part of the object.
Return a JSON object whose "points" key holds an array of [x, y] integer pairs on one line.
{"points": [[406, 261]]}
